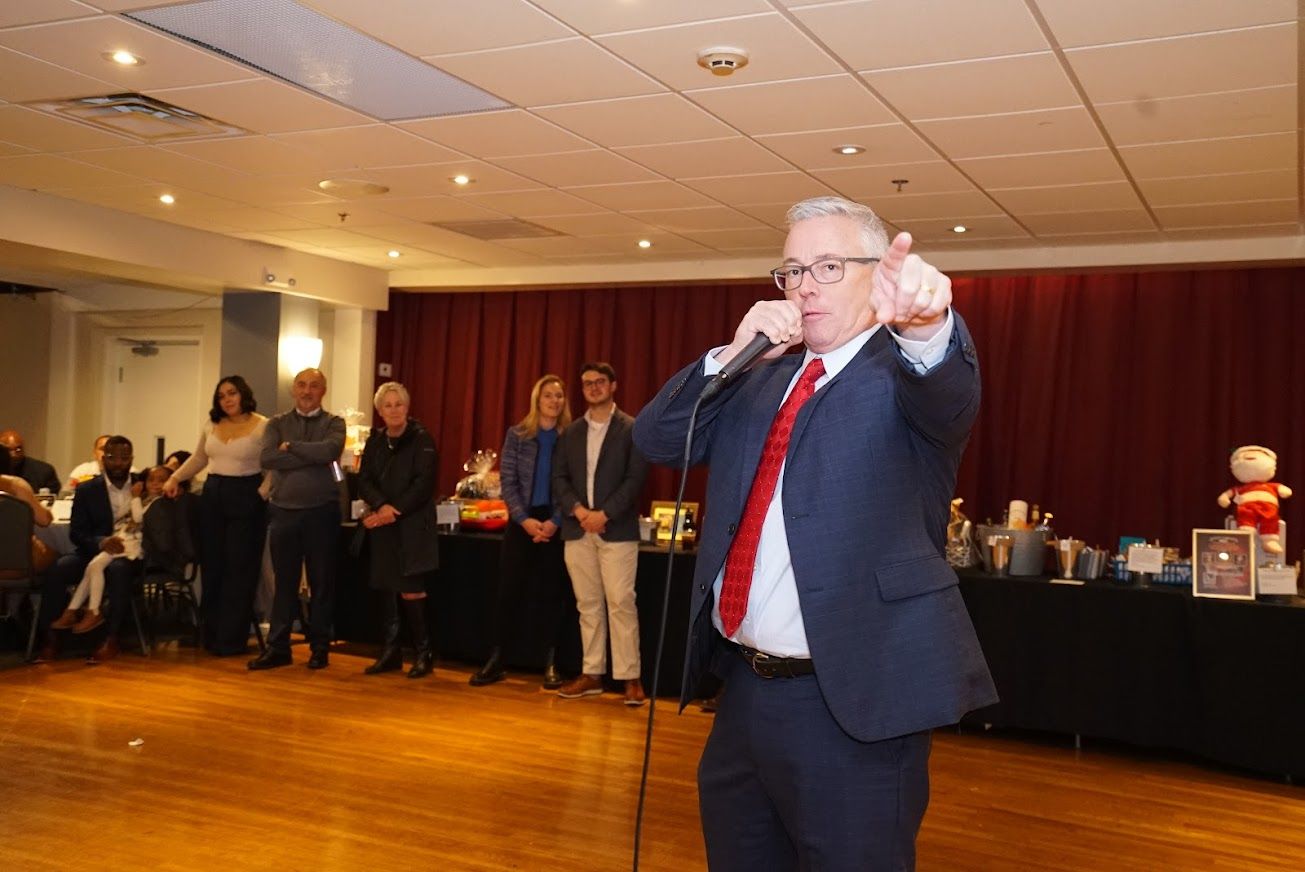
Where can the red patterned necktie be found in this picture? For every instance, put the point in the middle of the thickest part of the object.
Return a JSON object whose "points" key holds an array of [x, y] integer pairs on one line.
{"points": [[743, 553]]}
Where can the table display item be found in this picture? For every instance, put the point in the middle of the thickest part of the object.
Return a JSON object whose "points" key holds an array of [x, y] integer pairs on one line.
{"points": [[1067, 552], [960, 537], [1256, 495], [1223, 564], [1000, 546], [485, 515], [1091, 563], [483, 482]]}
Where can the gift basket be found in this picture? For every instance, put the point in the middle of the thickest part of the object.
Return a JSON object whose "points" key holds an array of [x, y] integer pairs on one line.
{"points": [[479, 493]]}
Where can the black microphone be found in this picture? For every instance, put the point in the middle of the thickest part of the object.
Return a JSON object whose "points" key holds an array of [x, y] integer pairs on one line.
{"points": [[750, 354]]}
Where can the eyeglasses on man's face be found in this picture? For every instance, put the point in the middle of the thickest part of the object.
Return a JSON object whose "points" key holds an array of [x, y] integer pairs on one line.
{"points": [[599, 382], [826, 271]]}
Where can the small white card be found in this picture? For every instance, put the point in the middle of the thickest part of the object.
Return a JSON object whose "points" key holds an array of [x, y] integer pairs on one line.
{"points": [[356, 509], [1277, 580], [447, 514], [1144, 558]]}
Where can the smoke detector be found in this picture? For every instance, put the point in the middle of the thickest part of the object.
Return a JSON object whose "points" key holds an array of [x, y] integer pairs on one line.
{"points": [[722, 61]]}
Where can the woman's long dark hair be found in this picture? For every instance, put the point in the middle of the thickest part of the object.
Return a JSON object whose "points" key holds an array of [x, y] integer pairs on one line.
{"points": [[247, 401]]}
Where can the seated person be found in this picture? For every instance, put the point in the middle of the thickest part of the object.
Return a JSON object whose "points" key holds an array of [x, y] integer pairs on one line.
{"points": [[98, 506], [128, 530], [91, 468], [174, 460], [39, 474], [15, 486]]}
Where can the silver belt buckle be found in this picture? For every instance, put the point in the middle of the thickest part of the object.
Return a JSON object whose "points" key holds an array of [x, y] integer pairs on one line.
{"points": [[760, 657]]}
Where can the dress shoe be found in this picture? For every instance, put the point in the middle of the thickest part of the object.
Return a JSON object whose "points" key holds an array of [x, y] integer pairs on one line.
{"points": [[391, 657], [107, 651], [270, 659], [491, 672], [421, 637], [68, 619], [92, 619], [49, 650], [552, 677], [319, 659], [390, 660], [585, 685], [634, 692]]}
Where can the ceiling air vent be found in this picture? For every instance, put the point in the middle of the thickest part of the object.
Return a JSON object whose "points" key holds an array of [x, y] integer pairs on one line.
{"points": [[139, 116], [506, 228]]}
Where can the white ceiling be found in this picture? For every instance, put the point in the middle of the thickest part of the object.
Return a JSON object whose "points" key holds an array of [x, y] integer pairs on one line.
{"points": [[1033, 122]]}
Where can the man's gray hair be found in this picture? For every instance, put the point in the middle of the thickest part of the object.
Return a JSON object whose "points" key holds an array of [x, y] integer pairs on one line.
{"points": [[392, 387], [873, 234]]}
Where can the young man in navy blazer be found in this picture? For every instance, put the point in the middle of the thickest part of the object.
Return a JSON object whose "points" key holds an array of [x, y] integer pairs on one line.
{"points": [[822, 597]]}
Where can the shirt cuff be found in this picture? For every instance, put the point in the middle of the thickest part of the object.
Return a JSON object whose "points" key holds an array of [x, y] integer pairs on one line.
{"points": [[710, 365], [924, 355]]}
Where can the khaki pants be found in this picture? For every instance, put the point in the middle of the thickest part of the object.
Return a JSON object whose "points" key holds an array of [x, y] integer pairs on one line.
{"points": [[602, 576]]}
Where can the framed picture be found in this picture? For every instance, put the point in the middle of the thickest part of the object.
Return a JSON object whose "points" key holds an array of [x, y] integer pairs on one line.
{"points": [[1223, 564], [663, 512]]}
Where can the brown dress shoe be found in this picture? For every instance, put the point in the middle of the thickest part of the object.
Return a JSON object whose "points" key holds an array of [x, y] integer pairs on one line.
{"points": [[89, 621], [66, 620], [585, 685], [49, 651], [107, 651], [634, 692]]}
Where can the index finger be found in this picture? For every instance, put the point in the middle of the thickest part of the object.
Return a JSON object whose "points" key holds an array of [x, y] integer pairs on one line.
{"points": [[895, 257]]}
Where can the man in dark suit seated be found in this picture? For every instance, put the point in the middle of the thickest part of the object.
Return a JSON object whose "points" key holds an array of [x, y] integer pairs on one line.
{"points": [[98, 505], [37, 473], [821, 596]]}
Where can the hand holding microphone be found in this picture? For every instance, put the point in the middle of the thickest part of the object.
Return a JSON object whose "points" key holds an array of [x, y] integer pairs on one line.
{"points": [[766, 332]]}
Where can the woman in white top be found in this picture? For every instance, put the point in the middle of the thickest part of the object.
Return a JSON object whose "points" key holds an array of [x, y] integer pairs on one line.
{"points": [[232, 514]]}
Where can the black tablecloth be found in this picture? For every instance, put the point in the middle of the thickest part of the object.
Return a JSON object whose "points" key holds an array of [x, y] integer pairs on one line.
{"points": [[1152, 666]]}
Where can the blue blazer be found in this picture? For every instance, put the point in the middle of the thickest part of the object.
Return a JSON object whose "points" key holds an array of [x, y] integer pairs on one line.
{"points": [[92, 517], [871, 469]]}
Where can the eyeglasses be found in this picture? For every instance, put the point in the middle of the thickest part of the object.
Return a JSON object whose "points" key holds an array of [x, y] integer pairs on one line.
{"points": [[593, 382], [826, 271]]}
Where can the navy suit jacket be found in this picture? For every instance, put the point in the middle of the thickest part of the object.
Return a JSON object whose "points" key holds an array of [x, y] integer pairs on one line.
{"points": [[618, 480], [871, 469], [92, 517]]}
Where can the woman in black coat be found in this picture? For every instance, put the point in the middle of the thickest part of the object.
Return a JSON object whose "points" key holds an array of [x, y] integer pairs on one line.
{"points": [[397, 481]]}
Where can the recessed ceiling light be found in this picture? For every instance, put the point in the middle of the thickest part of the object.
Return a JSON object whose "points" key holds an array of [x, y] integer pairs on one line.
{"points": [[959, 228], [849, 149], [645, 243], [352, 188], [462, 180], [167, 199], [122, 56], [393, 252]]}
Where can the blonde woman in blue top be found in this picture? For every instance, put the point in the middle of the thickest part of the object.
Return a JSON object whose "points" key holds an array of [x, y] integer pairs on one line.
{"points": [[533, 570]]}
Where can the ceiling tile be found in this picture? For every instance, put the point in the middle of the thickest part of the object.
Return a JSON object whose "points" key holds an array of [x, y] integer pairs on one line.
{"points": [[763, 188], [715, 157], [1231, 188], [879, 34], [1076, 23], [432, 179], [870, 183], [249, 154], [78, 45], [8, 149], [776, 50], [577, 168], [150, 162], [536, 75], [1018, 133], [261, 106], [553, 246], [1050, 168], [774, 213], [1224, 214], [599, 224], [357, 214], [1206, 116], [264, 220], [36, 130], [437, 209], [592, 18], [799, 105], [1064, 223], [980, 87], [497, 134], [977, 229], [1097, 197], [653, 119], [642, 195], [375, 145], [1231, 155], [427, 27], [883, 144], [47, 171], [942, 207], [262, 191], [751, 239], [15, 12], [326, 237], [531, 204], [143, 198], [23, 79], [705, 218], [1203, 64]]}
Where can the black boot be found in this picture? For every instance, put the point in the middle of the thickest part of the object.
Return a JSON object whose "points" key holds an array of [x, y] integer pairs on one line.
{"points": [[491, 672], [552, 678], [392, 654], [416, 611]]}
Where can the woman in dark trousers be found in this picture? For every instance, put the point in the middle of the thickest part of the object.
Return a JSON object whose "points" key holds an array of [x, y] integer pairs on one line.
{"points": [[232, 514], [532, 548], [397, 481]]}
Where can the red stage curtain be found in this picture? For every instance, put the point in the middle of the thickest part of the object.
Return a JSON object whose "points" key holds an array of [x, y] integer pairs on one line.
{"points": [[1111, 400]]}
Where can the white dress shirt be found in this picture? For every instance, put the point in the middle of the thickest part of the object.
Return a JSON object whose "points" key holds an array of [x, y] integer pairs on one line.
{"points": [[773, 622], [119, 499], [593, 447]]}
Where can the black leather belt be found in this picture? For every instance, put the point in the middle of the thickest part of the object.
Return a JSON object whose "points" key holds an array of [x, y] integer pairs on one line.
{"points": [[772, 665]]}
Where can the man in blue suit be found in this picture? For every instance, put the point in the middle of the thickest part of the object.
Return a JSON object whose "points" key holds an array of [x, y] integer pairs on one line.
{"points": [[821, 597], [98, 505]]}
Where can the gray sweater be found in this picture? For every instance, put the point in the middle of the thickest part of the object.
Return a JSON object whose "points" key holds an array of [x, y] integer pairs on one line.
{"points": [[303, 478]]}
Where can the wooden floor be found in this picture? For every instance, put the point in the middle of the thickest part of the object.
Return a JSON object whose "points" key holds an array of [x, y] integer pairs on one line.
{"points": [[292, 770]]}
